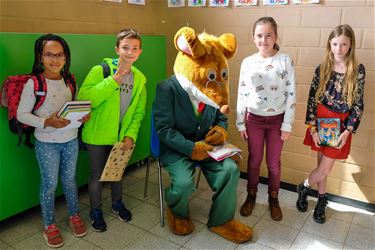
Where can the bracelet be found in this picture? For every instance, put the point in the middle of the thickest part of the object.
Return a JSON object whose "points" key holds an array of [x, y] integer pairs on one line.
{"points": [[312, 130]]}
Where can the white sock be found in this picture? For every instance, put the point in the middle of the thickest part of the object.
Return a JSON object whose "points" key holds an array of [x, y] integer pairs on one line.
{"points": [[306, 183]]}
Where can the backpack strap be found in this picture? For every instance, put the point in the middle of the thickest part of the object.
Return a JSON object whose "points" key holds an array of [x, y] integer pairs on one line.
{"points": [[40, 90], [106, 70], [71, 82]]}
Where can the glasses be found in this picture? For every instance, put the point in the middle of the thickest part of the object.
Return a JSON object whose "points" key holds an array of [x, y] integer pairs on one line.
{"points": [[50, 56]]}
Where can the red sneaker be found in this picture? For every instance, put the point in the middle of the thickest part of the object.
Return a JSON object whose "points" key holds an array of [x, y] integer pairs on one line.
{"points": [[53, 237], [77, 225]]}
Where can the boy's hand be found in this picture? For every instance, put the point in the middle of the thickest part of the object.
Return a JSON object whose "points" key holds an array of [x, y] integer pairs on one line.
{"points": [[85, 118], [128, 143], [55, 122], [123, 69]]}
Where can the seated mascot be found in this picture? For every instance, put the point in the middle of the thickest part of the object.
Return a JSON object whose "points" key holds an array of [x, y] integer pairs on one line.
{"points": [[189, 118]]}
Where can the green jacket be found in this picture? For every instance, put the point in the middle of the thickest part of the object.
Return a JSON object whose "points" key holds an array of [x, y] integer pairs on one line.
{"points": [[103, 128], [177, 125]]}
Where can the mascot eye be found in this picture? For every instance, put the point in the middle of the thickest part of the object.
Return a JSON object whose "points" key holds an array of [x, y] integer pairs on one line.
{"points": [[211, 76], [224, 74]]}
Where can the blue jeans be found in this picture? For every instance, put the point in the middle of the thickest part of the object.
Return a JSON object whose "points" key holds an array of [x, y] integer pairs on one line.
{"points": [[54, 158]]}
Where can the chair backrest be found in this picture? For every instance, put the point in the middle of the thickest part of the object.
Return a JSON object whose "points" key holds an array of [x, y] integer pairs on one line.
{"points": [[154, 144]]}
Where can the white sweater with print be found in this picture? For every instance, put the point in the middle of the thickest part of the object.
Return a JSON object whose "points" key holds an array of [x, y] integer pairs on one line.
{"points": [[267, 87], [57, 94]]}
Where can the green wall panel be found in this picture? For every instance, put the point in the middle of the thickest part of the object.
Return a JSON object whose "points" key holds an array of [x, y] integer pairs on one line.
{"points": [[19, 172]]}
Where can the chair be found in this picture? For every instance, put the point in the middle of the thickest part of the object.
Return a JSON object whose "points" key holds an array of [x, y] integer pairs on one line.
{"points": [[154, 153]]}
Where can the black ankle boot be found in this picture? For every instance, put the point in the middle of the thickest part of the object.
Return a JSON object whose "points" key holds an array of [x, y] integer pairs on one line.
{"points": [[301, 203], [320, 209]]}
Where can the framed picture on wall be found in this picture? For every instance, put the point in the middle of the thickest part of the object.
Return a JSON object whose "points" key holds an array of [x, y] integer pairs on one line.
{"points": [[245, 2], [138, 2], [196, 3], [219, 3], [305, 1], [176, 3], [275, 2]]}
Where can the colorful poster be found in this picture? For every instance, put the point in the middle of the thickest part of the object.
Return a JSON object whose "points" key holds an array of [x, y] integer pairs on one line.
{"points": [[176, 3], [245, 2], [196, 3], [139, 2], [274, 2], [219, 3], [305, 1]]}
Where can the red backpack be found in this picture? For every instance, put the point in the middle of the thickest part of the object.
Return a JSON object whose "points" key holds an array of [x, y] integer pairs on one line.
{"points": [[11, 94]]}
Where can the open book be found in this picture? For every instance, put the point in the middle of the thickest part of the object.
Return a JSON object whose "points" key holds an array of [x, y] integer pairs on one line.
{"points": [[74, 111], [221, 152], [329, 131]]}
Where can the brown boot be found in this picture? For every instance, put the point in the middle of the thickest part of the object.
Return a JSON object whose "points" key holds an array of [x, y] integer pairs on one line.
{"points": [[247, 207], [179, 226], [275, 209]]}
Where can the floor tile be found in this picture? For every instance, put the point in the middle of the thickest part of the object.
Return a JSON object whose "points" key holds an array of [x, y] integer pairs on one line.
{"points": [[291, 217], [21, 227], [332, 229], [145, 216], [312, 242], [151, 241], [205, 239], [273, 234], [83, 244], [252, 245], [165, 233], [117, 236], [360, 237]]}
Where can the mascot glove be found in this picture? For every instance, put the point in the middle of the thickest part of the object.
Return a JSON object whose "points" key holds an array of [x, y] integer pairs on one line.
{"points": [[216, 136], [200, 151]]}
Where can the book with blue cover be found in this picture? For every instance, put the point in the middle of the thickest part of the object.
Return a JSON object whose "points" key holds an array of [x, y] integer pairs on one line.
{"points": [[329, 131]]}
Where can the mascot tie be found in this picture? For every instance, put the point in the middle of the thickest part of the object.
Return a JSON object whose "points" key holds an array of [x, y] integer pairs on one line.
{"points": [[201, 106]]}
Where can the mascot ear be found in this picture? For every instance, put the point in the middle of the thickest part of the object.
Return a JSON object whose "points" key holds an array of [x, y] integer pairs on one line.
{"points": [[188, 42], [229, 43]]}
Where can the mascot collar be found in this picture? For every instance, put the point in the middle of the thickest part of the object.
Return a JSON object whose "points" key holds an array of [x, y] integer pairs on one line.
{"points": [[194, 93]]}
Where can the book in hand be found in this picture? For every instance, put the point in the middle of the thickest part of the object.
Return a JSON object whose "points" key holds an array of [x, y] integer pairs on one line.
{"points": [[328, 131], [224, 151], [117, 162], [74, 111]]}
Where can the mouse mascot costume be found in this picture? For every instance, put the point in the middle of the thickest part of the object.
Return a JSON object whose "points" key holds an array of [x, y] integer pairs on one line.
{"points": [[189, 110]]}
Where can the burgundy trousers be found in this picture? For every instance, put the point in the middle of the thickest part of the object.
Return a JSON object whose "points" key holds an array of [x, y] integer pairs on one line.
{"points": [[264, 130]]}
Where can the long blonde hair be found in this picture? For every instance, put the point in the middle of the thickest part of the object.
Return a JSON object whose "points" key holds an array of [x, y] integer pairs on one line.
{"points": [[349, 93]]}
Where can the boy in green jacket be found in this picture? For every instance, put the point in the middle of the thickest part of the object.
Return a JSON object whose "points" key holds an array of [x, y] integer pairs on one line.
{"points": [[118, 107]]}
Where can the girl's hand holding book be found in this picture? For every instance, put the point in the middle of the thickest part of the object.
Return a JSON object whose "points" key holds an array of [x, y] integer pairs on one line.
{"points": [[342, 139], [54, 122]]}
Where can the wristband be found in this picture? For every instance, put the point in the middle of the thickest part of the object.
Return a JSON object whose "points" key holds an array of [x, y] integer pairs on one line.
{"points": [[312, 130], [348, 130]]}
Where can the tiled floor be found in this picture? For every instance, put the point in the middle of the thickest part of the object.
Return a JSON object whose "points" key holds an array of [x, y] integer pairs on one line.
{"points": [[346, 227]]}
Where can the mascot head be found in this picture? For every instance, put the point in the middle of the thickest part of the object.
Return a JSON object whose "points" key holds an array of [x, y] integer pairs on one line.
{"points": [[201, 66]]}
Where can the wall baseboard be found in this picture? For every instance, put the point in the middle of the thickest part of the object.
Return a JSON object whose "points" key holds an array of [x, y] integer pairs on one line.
{"points": [[332, 197]]}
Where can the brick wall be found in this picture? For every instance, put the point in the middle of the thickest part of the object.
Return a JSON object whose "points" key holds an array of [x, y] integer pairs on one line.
{"points": [[303, 31]]}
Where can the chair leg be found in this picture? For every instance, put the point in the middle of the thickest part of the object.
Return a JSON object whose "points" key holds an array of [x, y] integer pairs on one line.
{"points": [[146, 179], [198, 178], [161, 196]]}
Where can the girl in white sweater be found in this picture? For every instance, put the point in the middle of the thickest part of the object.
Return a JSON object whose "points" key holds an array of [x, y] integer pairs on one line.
{"points": [[265, 111]]}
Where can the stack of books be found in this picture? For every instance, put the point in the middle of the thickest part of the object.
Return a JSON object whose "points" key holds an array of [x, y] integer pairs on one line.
{"points": [[74, 111]]}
